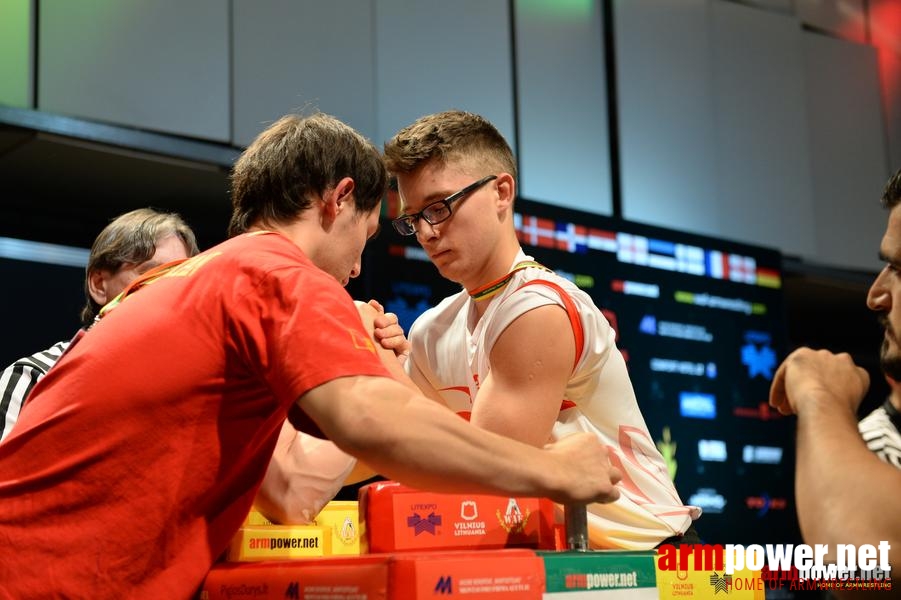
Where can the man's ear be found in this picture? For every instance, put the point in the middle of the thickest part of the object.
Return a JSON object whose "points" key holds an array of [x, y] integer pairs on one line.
{"points": [[344, 193], [335, 199], [97, 286], [506, 190]]}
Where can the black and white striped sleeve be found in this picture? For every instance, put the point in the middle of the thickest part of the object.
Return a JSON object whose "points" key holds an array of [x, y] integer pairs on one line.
{"points": [[18, 379], [881, 433]]}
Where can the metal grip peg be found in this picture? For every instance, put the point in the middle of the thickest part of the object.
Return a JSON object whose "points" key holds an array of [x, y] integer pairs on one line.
{"points": [[575, 520]]}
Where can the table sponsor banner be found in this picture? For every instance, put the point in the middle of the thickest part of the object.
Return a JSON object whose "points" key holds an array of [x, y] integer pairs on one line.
{"points": [[601, 574], [699, 571], [476, 575], [338, 578], [398, 518], [279, 542]]}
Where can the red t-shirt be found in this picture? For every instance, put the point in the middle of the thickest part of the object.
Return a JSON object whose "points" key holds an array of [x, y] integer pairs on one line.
{"points": [[137, 457]]}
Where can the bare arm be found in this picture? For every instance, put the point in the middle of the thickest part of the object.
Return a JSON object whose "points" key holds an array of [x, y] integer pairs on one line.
{"points": [[845, 493], [305, 472], [531, 362], [407, 437]]}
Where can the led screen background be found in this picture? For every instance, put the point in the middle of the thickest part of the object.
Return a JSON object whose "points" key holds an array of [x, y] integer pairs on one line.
{"points": [[701, 323]]}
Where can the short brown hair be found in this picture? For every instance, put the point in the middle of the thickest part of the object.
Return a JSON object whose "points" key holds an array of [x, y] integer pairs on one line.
{"points": [[131, 238], [447, 136], [891, 195], [296, 158]]}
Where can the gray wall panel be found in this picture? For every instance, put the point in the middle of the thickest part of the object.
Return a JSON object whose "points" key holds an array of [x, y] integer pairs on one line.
{"points": [[885, 32], [161, 65], [842, 18], [847, 150], [563, 138], [885, 23], [299, 56], [890, 73], [666, 126], [763, 165], [718, 133], [783, 6], [433, 56]]}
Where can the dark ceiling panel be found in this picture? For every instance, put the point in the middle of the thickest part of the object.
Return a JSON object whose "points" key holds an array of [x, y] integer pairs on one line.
{"points": [[64, 189]]}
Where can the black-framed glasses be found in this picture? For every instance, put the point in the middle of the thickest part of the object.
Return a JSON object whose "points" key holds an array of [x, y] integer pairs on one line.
{"points": [[436, 212]]}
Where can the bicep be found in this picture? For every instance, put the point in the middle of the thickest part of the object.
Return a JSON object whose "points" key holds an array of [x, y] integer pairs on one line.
{"points": [[531, 363]]}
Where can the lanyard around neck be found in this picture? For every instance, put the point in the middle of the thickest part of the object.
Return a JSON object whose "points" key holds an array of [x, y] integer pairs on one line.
{"points": [[490, 289]]}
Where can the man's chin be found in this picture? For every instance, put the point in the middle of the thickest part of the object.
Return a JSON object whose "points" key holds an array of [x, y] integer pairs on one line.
{"points": [[890, 361], [447, 271]]}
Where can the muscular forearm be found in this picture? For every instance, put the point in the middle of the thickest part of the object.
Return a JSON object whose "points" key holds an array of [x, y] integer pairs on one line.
{"points": [[408, 438], [304, 474], [437, 453], [845, 494]]}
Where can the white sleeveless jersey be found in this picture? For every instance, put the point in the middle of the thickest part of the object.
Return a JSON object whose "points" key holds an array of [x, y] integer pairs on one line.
{"points": [[450, 355]]}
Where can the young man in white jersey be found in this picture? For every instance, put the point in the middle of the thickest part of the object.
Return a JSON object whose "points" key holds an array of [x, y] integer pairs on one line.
{"points": [[520, 351]]}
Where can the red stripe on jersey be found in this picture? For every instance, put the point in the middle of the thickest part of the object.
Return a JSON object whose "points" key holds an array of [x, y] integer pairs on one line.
{"points": [[570, 306]]}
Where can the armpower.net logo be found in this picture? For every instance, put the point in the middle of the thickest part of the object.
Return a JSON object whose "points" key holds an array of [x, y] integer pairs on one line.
{"points": [[735, 567]]}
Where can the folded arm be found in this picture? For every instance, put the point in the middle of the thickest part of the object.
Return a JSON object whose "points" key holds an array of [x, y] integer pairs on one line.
{"points": [[845, 493], [531, 363]]}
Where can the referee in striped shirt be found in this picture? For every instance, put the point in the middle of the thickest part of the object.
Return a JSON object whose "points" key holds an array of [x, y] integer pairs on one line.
{"points": [[130, 245]]}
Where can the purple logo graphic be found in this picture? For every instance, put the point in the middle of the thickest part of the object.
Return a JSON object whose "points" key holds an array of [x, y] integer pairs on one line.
{"points": [[421, 525]]}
